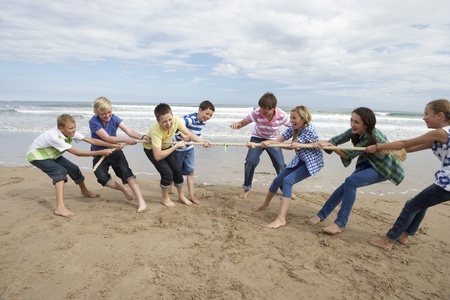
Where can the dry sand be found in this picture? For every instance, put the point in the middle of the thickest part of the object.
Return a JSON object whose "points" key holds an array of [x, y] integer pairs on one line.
{"points": [[218, 250]]}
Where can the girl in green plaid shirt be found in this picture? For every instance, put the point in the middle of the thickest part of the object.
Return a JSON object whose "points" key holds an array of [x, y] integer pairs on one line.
{"points": [[370, 169]]}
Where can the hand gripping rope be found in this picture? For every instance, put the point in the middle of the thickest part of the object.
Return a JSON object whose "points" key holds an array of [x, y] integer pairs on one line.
{"points": [[399, 154]]}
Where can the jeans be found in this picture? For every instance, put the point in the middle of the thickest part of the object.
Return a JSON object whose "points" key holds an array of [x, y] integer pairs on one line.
{"points": [[57, 169], [186, 159], [414, 211], [253, 157], [363, 175], [288, 177], [168, 168]]}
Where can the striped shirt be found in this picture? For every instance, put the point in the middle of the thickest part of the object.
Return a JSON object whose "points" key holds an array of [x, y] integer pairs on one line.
{"points": [[51, 144], [386, 165], [313, 158], [267, 129], [194, 125]]}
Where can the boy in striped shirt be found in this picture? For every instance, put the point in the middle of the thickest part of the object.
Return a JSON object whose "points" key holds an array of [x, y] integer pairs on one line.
{"points": [[268, 119], [46, 153], [195, 122]]}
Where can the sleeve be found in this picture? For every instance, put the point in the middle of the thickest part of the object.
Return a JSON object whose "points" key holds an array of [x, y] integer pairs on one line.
{"points": [[287, 134]]}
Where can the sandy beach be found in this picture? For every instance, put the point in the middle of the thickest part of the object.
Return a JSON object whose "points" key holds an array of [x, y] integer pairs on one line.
{"points": [[217, 250]]}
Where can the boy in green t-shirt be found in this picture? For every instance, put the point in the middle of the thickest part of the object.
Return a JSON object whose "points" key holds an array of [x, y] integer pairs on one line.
{"points": [[46, 153]]}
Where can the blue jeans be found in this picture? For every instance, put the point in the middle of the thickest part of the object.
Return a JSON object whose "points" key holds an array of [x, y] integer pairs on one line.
{"points": [[186, 159], [414, 211], [58, 169], [168, 168], [363, 175], [288, 177], [253, 157]]}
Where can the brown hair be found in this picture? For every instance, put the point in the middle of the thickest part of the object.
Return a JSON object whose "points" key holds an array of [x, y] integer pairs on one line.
{"points": [[64, 119], [369, 119], [440, 105], [268, 100], [161, 110]]}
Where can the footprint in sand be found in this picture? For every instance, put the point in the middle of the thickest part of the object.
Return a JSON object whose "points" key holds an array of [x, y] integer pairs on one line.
{"points": [[11, 180]]}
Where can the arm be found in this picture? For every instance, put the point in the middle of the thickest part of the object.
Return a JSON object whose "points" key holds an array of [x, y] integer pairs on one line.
{"points": [[339, 152], [422, 142], [240, 124], [195, 138], [265, 144], [75, 151], [161, 154], [98, 142]]}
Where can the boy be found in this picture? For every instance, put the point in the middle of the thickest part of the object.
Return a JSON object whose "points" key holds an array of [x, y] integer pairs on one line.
{"points": [[268, 118], [161, 153], [46, 153], [195, 123], [104, 127]]}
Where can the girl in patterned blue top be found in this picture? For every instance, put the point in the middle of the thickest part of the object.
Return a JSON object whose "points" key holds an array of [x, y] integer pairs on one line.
{"points": [[306, 162], [436, 116]]}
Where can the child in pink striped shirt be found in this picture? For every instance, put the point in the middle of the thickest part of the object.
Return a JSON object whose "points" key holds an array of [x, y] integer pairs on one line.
{"points": [[267, 118]]}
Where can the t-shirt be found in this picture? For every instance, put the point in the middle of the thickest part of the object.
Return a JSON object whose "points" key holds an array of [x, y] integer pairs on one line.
{"points": [[267, 129], [194, 125], [111, 126], [162, 139], [51, 144]]}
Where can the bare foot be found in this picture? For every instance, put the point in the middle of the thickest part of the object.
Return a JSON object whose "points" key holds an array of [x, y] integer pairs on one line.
{"points": [[128, 195], [259, 207], [90, 194], [314, 220], [333, 229], [63, 212], [194, 200], [244, 194], [294, 196], [403, 239], [384, 243], [185, 200], [142, 208], [276, 224], [168, 203]]}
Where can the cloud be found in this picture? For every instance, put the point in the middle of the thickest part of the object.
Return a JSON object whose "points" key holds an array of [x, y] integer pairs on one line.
{"points": [[364, 49]]}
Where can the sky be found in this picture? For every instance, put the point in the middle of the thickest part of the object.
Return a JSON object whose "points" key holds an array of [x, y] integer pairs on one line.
{"points": [[391, 55]]}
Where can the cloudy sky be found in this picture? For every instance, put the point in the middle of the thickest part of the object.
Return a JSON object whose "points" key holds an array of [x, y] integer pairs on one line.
{"points": [[392, 55]]}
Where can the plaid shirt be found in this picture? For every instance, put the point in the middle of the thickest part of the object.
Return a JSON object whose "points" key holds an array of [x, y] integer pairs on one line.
{"points": [[386, 165], [313, 158]]}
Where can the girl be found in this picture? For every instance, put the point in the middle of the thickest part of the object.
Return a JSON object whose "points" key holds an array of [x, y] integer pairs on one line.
{"points": [[306, 162], [436, 116], [370, 169]]}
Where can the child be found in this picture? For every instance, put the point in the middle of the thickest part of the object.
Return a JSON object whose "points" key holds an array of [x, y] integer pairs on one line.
{"points": [[306, 162], [161, 153], [46, 153], [268, 118], [370, 169], [195, 123], [104, 126], [437, 117]]}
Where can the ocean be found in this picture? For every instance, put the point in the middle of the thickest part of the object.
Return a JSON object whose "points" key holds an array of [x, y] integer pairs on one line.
{"points": [[22, 121]]}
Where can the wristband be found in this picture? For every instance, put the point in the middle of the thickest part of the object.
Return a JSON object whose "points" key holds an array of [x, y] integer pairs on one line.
{"points": [[142, 137]]}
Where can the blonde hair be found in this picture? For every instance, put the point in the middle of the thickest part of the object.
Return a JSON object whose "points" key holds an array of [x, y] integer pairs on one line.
{"points": [[64, 119], [440, 105], [304, 114], [101, 104]]}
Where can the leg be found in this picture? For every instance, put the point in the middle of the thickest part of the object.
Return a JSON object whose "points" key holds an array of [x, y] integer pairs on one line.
{"points": [[294, 175], [190, 184], [117, 186], [276, 183], [86, 192], [134, 186], [251, 161], [414, 211], [364, 175], [165, 199], [281, 218], [277, 159], [163, 168], [61, 209]]}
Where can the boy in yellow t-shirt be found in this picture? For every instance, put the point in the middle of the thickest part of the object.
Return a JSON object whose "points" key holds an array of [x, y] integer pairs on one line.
{"points": [[162, 153]]}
